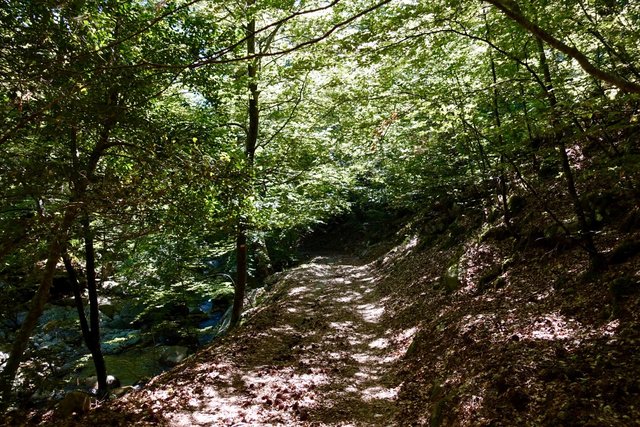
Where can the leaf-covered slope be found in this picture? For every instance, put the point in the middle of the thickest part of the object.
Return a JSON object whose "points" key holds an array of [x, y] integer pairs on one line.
{"points": [[527, 339]]}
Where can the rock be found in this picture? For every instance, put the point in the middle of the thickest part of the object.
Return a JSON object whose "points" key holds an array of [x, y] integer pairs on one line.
{"points": [[121, 391], [173, 310], [108, 310], [116, 340], [75, 402], [451, 280], [112, 382], [58, 313], [173, 333], [172, 355], [52, 326], [114, 288]]}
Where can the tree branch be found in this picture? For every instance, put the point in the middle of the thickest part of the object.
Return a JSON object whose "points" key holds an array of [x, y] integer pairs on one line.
{"points": [[511, 10]]}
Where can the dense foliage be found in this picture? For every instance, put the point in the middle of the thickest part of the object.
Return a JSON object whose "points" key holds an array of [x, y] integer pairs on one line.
{"points": [[126, 133]]}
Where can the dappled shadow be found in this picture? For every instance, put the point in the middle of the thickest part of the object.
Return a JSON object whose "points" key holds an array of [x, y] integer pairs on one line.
{"points": [[520, 340], [319, 352]]}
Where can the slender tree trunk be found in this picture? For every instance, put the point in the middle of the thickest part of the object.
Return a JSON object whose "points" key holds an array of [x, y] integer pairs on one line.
{"points": [[241, 279], [94, 313], [77, 296], [503, 189], [90, 331], [534, 157], [250, 150], [596, 259], [57, 241], [254, 111]]}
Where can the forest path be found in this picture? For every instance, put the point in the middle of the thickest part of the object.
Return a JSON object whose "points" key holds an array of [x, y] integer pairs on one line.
{"points": [[318, 353]]}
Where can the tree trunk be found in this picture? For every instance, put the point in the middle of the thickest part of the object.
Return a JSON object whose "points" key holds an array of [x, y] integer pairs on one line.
{"points": [[241, 280], [90, 333], [73, 278], [57, 241], [596, 259], [94, 314], [503, 189], [534, 157], [250, 150]]}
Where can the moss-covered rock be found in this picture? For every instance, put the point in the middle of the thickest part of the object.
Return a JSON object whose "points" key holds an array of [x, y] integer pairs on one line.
{"points": [[451, 278], [498, 233]]}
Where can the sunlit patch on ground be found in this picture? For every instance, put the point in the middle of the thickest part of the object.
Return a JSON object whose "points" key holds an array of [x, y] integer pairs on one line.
{"points": [[351, 296], [298, 290], [345, 325], [401, 250], [405, 335], [379, 343], [610, 328], [380, 393], [371, 312], [470, 406], [471, 322], [552, 327], [477, 258]]}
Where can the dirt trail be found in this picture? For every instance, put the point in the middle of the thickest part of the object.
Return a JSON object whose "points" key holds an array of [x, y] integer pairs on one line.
{"points": [[318, 354]]}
